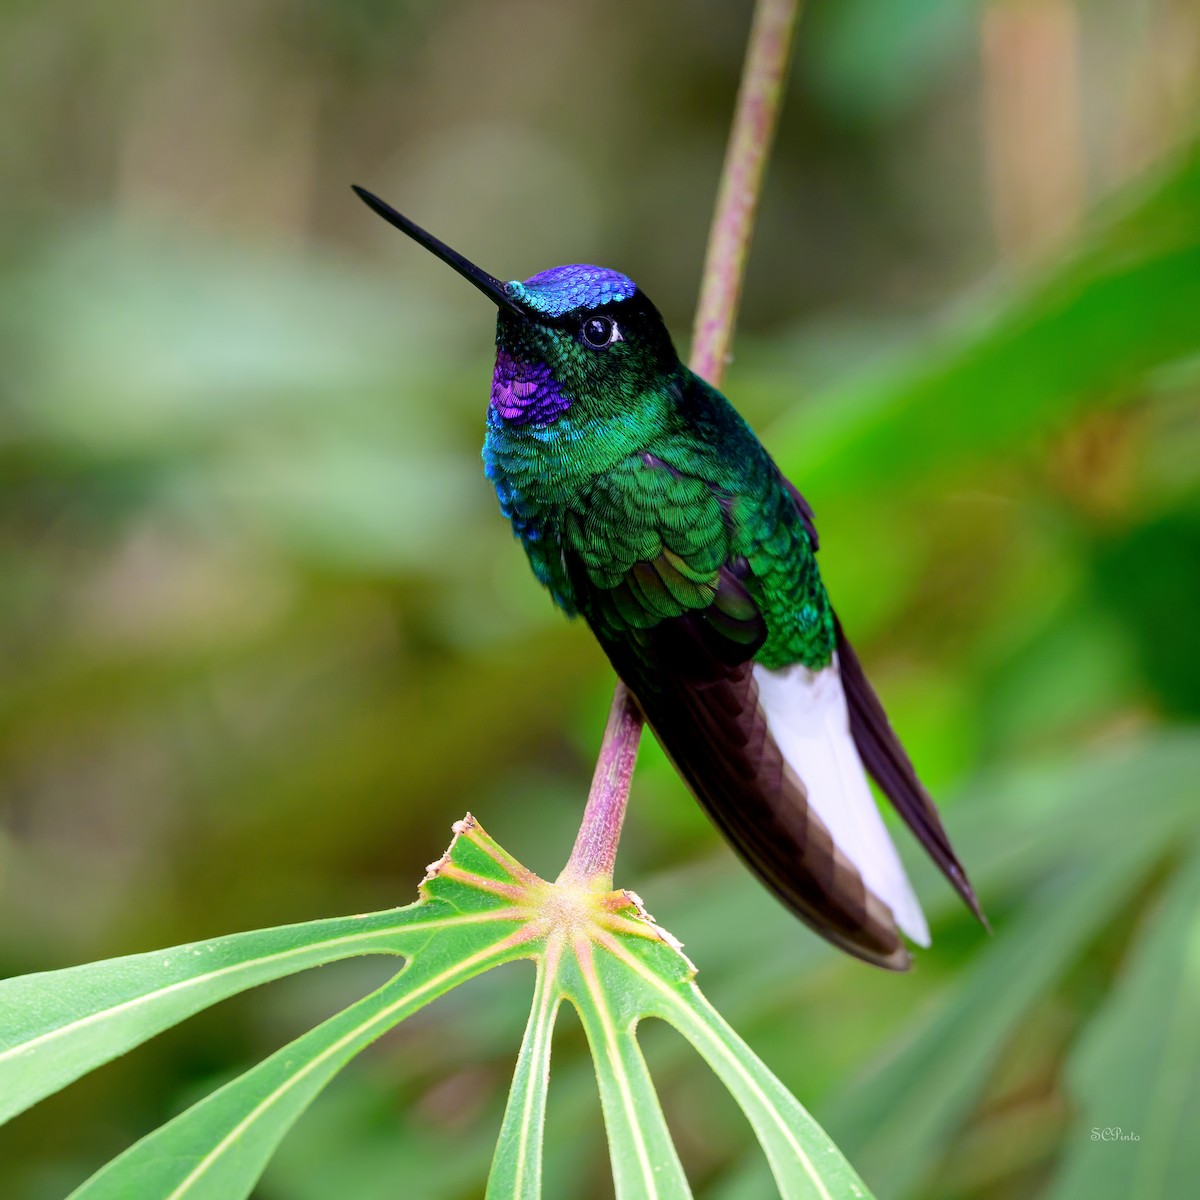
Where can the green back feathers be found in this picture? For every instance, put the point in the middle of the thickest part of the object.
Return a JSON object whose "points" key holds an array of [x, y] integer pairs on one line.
{"points": [[630, 513]]}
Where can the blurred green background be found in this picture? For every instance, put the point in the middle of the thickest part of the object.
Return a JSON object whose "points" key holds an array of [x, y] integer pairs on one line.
{"points": [[264, 635]]}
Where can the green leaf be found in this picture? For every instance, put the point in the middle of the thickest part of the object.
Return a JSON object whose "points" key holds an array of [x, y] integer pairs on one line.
{"points": [[645, 1164], [516, 1172], [1019, 826], [58, 1025], [899, 1117], [478, 908], [1094, 328], [218, 1148], [804, 1161], [1136, 1074], [625, 976]]}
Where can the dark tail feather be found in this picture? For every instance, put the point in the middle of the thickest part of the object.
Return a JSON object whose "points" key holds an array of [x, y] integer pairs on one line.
{"points": [[889, 765]]}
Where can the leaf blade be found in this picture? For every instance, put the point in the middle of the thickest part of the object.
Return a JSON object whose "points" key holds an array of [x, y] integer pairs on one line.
{"points": [[645, 1163], [217, 1149], [516, 1171], [897, 1119], [57, 1025], [792, 1141], [1137, 1069], [1093, 327]]}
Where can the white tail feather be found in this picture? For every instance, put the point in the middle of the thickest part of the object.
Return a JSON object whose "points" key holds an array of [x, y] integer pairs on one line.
{"points": [[806, 714]]}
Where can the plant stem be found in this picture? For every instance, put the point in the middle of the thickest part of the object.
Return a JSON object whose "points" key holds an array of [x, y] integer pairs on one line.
{"points": [[764, 74], [595, 849], [763, 78]]}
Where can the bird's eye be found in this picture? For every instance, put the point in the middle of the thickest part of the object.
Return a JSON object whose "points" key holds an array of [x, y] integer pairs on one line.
{"points": [[599, 332]]}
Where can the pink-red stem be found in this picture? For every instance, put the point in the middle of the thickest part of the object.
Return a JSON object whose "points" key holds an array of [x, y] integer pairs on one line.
{"points": [[764, 75]]}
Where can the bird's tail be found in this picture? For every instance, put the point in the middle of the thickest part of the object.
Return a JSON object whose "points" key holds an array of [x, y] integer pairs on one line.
{"points": [[808, 719]]}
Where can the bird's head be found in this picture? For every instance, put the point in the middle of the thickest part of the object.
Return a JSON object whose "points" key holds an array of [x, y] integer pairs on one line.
{"points": [[573, 337]]}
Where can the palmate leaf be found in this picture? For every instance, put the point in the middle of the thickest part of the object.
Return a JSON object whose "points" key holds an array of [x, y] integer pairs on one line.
{"points": [[1094, 326], [477, 908], [1040, 840], [899, 1118], [58, 1025], [517, 1167], [219, 1147], [1136, 1074], [902, 1116], [617, 971], [802, 1158]]}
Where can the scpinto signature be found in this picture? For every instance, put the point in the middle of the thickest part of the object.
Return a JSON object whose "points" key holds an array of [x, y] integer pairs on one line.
{"points": [[1114, 1133]]}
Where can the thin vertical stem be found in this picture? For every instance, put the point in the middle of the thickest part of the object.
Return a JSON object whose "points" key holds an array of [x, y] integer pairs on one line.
{"points": [[764, 74], [763, 78], [595, 851]]}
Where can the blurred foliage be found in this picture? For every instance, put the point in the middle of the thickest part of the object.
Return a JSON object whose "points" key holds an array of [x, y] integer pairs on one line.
{"points": [[263, 635]]}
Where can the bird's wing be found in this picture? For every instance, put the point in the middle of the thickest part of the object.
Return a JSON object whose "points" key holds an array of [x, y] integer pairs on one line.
{"points": [[650, 555]]}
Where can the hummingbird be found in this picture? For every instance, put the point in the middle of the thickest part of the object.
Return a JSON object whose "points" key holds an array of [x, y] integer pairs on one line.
{"points": [[648, 507]]}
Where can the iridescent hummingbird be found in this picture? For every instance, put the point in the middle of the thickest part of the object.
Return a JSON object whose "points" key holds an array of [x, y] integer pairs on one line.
{"points": [[647, 506]]}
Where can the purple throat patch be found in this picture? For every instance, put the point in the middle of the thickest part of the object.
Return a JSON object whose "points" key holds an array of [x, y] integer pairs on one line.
{"points": [[525, 393]]}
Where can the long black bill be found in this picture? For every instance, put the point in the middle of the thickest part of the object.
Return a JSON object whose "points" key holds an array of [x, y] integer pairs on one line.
{"points": [[490, 286]]}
